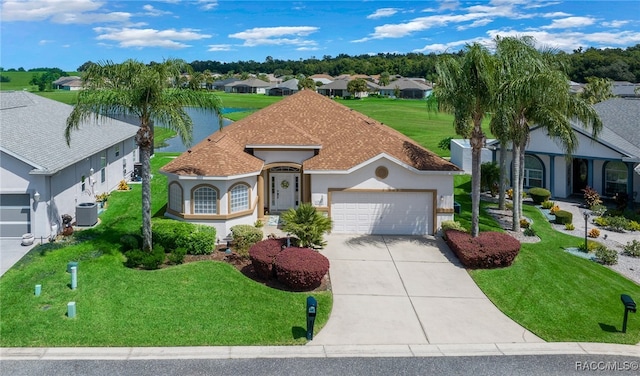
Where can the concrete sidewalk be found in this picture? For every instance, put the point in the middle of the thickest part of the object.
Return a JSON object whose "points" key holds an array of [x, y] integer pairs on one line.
{"points": [[408, 290]]}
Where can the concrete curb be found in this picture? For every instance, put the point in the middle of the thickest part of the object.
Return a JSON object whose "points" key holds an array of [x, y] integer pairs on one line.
{"points": [[315, 351]]}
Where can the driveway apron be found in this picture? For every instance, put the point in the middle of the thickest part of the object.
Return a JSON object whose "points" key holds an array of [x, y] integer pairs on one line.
{"points": [[393, 290]]}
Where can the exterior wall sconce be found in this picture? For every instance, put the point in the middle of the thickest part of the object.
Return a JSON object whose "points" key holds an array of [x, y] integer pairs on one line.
{"points": [[36, 196]]}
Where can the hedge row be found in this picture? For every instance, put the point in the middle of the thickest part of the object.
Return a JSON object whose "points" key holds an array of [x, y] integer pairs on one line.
{"points": [[171, 234], [298, 268], [487, 250]]}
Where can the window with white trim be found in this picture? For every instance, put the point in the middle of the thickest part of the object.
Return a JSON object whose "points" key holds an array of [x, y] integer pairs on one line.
{"points": [[205, 200], [103, 165], [615, 178], [533, 172], [175, 197], [239, 198]]}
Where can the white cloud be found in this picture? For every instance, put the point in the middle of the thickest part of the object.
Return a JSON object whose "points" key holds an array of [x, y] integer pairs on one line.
{"points": [[570, 22], [153, 12], [555, 14], [273, 35], [45, 41], [449, 4], [383, 12], [207, 4], [477, 23], [140, 38], [307, 49], [59, 11], [453, 46], [614, 24], [219, 47]]}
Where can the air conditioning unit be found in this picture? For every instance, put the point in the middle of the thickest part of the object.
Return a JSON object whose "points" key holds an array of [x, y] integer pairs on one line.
{"points": [[86, 214]]}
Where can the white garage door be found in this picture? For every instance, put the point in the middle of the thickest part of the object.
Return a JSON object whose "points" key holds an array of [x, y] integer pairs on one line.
{"points": [[393, 213], [15, 215]]}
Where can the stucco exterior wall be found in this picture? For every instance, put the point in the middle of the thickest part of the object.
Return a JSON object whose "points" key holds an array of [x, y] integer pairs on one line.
{"points": [[274, 156]]}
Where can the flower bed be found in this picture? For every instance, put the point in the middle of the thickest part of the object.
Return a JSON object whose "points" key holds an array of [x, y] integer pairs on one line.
{"points": [[487, 250]]}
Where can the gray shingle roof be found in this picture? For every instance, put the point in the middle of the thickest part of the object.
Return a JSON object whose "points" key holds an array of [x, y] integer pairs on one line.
{"points": [[621, 124], [32, 130]]}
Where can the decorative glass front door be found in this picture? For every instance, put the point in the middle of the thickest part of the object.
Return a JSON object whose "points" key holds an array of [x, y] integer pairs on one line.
{"points": [[284, 190]]}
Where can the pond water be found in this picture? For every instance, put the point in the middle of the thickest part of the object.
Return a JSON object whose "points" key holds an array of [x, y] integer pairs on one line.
{"points": [[204, 124]]}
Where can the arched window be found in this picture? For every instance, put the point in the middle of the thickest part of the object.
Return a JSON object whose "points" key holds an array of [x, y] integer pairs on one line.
{"points": [[533, 172], [239, 198], [615, 178], [205, 200], [175, 197]]}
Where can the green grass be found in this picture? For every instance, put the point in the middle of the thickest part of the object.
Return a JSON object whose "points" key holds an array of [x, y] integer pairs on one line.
{"points": [[18, 81], [557, 296], [202, 303]]}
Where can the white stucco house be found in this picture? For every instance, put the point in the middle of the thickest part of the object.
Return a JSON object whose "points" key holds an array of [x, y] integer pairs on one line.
{"points": [[41, 177], [608, 163], [369, 178]]}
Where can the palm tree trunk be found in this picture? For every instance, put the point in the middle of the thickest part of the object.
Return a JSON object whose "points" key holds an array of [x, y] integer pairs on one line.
{"points": [[477, 142], [521, 176], [503, 176], [145, 160], [516, 187]]}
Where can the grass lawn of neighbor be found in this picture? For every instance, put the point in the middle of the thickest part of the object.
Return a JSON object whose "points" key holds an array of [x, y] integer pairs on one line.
{"points": [[199, 303], [556, 295]]}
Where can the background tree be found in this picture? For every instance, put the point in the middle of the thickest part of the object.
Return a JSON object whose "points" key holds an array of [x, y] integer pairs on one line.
{"points": [[466, 88], [385, 79], [85, 66], [150, 94], [597, 90], [306, 83], [357, 87]]}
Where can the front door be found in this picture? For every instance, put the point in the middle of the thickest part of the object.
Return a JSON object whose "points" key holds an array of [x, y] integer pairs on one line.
{"points": [[284, 191], [580, 177]]}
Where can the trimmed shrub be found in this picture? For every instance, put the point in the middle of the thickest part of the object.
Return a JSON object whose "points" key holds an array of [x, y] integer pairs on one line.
{"points": [[263, 255], [601, 221], [452, 225], [301, 268], [147, 260], [634, 226], [529, 232], [617, 224], [569, 227], [592, 245], [594, 233], [524, 223], [539, 195], [129, 242], [598, 209], [177, 256], [632, 248], [201, 240], [548, 204], [134, 258], [487, 250], [606, 256], [554, 209], [563, 217], [244, 236]]}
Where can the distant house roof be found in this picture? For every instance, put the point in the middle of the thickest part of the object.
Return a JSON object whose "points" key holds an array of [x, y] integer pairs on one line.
{"points": [[341, 84], [318, 76], [343, 138], [225, 82], [406, 83], [32, 130], [64, 80], [252, 82], [291, 84], [625, 89]]}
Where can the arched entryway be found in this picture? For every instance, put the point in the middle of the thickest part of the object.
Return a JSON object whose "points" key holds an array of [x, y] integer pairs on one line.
{"points": [[580, 176]]}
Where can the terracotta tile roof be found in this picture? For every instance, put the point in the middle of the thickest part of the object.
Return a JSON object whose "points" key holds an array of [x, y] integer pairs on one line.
{"points": [[347, 138]]}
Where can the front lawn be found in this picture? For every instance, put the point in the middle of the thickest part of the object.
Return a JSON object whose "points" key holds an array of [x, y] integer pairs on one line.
{"points": [[557, 296], [201, 303]]}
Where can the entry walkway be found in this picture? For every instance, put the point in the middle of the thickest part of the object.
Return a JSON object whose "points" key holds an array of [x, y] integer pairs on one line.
{"points": [[408, 290]]}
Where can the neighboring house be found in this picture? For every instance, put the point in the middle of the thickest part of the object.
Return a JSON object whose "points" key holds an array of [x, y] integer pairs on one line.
{"points": [[71, 83], [324, 78], [283, 89], [222, 84], [461, 154], [407, 89], [249, 86], [367, 177], [338, 88], [41, 178], [625, 89], [606, 163]]}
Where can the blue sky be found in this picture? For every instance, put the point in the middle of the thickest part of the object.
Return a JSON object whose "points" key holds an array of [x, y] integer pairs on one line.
{"points": [[67, 33]]}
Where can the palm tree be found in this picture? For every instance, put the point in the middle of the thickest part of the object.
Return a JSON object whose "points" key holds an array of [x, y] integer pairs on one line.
{"points": [[534, 91], [149, 93], [465, 88]]}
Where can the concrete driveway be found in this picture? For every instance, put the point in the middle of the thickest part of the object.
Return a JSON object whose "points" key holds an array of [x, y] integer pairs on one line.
{"points": [[391, 290], [11, 251]]}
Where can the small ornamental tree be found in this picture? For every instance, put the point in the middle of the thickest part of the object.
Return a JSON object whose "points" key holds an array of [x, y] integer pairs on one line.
{"points": [[307, 224]]}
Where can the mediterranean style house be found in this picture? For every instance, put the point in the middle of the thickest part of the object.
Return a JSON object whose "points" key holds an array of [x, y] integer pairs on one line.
{"points": [[369, 178], [43, 178], [608, 163]]}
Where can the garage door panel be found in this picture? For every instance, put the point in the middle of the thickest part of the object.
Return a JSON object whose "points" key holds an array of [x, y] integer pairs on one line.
{"points": [[401, 213], [15, 215]]}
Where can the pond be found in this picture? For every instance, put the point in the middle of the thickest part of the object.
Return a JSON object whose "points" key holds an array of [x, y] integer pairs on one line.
{"points": [[204, 124]]}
